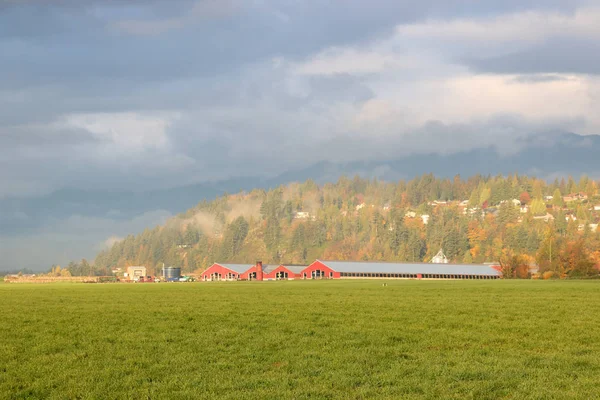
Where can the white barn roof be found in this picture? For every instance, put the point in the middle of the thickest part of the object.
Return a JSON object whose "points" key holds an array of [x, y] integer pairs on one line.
{"points": [[239, 268], [411, 268]]}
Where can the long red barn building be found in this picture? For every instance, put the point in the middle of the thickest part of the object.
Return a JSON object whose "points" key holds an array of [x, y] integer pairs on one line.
{"points": [[350, 270]]}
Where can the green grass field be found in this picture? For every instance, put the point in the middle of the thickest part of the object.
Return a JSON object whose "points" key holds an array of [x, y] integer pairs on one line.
{"points": [[284, 340]]}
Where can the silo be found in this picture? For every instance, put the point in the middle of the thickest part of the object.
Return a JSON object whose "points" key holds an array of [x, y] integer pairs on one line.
{"points": [[171, 273]]}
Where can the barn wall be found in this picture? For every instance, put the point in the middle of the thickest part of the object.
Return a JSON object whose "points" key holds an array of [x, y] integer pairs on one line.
{"points": [[318, 265], [281, 268], [254, 268], [218, 269]]}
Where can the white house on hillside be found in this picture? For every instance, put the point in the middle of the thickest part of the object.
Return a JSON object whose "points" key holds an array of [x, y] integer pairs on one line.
{"points": [[440, 258], [302, 215]]}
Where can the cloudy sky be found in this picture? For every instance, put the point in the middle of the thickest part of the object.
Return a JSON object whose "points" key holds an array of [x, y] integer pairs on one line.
{"points": [[133, 95]]}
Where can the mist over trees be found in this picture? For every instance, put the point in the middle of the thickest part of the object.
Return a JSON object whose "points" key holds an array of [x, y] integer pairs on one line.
{"points": [[517, 221]]}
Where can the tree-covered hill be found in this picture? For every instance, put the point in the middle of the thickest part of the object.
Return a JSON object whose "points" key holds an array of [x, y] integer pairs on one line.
{"points": [[516, 220]]}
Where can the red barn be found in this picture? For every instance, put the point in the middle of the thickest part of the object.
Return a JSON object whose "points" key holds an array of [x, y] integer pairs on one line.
{"points": [[318, 270], [365, 269], [284, 272], [224, 272]]}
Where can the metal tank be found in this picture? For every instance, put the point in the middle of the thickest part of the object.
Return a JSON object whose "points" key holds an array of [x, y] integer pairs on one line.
{"points": [[171, 274]]}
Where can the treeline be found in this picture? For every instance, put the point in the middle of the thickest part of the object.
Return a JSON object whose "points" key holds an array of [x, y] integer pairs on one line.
{"points": [[517, 220], [81, 268]]}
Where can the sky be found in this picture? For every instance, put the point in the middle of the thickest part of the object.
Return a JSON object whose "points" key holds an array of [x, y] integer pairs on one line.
{"points": [[137, 95]]}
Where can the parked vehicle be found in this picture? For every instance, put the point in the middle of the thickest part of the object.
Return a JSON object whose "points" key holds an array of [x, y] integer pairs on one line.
{"points": [[146, 279]]}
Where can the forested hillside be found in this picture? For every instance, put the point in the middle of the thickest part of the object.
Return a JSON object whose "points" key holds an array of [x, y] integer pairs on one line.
{"points": [[516, 220]]}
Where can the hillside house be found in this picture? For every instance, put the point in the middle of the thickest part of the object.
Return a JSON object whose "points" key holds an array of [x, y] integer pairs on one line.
{"points": [[514, 202], [591, 227], [546, 218], [440, 258], [438, 203], [301, 215], [473, 211], [575, 197]]}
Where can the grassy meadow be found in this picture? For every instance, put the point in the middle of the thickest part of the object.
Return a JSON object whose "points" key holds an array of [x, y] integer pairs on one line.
{"points": [[304, 339]]}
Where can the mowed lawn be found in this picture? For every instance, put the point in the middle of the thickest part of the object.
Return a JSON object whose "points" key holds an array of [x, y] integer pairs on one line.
{"points": [[303, 339]]}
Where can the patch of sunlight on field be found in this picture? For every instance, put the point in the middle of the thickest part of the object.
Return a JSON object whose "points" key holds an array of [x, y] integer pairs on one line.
{"points": [[304, 339]]}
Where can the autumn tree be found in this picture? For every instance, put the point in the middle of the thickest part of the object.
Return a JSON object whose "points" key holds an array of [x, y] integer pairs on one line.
{"points": [[514, 265], [538, 207], [591, 189], [525, 198], [557, 199], [574, 260]]}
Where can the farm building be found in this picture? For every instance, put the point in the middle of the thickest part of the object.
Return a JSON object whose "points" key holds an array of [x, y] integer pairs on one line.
{"points": [[134, 272], [347, 270], [283, 272], [224, 272], [260, 272], [256, 272]]}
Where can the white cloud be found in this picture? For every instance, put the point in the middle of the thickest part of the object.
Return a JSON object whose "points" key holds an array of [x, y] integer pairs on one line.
{"points": [[415, 79], [353, 61], [468, 96], [128, 131]]}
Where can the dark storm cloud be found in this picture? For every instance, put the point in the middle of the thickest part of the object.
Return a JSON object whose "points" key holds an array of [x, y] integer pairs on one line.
{"points": [[554, 56], [12, 137], [69, 57], [75, 44], [62, 240]]}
